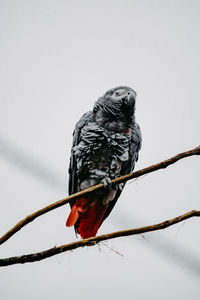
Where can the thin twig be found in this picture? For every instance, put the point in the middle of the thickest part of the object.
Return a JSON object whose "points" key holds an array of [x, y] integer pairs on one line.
{"points": [[161, 165], [95, 240]]}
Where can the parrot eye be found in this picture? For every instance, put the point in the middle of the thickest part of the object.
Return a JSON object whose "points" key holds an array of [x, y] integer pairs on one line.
{"points": [[116, 94]]}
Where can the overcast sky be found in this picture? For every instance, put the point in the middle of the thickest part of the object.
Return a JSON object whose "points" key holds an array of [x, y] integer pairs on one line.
{"points": [[57, 58]]}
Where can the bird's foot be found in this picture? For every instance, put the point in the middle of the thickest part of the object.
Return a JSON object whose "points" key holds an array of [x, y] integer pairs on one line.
{"points": [[108, 184], [121, 186]]}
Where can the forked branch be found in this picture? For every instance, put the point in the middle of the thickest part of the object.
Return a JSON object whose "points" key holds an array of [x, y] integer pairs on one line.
{"points": [[33, 216], [95, 240]]}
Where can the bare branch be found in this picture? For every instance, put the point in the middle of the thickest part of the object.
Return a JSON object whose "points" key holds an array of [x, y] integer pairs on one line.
{"points": [[95, 240], [161, 165]]}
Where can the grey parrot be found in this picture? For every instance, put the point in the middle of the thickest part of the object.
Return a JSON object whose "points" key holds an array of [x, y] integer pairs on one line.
{"points": [[106, 143]]}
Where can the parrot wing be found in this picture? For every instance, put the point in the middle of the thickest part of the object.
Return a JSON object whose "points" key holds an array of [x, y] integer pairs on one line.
{"points": [[72, 188], [85, 217]]}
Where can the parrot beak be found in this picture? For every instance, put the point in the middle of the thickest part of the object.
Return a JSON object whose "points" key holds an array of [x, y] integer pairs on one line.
{"points": [[131, 100], [128, 103]]}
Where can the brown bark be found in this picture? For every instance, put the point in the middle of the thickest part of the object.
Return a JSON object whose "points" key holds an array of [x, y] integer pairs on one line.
{"points": [[95, 240], [136, 174]]}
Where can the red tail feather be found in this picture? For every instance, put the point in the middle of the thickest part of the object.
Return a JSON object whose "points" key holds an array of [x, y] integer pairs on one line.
{"points": [[90, 215], [77, 208], [73, 216]]}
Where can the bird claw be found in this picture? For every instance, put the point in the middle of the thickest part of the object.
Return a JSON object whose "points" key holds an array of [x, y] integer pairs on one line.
{"points": [[121, 186], [107, 182]]}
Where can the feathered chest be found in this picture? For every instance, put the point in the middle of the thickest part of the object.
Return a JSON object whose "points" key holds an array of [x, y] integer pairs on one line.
{"points": [[96, 140]]}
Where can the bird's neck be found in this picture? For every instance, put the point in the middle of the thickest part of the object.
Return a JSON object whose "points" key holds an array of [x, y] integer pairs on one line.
{"points": [[111, 122]]}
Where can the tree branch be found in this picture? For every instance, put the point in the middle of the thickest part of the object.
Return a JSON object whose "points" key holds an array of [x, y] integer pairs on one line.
{"points": [[95, 240], [33, 216]]}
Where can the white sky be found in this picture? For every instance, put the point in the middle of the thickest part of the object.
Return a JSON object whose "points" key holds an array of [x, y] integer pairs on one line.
{"points": [[57, 58]]}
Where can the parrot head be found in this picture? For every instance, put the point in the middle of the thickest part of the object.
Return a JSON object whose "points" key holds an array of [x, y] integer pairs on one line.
{"points": [[118, 102]]}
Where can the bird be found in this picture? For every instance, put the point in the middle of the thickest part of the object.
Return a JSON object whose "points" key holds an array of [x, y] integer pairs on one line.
{"points": [[106, 145]]}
